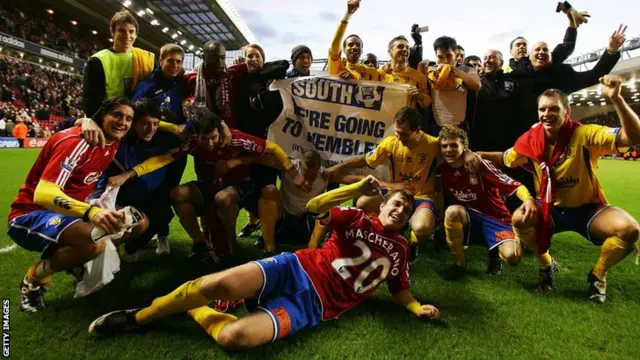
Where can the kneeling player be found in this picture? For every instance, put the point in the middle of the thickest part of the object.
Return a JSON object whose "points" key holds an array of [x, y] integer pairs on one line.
{"points": [[228, 191], [565, 157], [49, 215], [297, 291], [477, 204]]}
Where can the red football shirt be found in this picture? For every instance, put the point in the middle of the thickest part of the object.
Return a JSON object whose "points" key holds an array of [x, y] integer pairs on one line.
{"points": [[356, 259], [205, 160], [481, 191], [69, 162]]}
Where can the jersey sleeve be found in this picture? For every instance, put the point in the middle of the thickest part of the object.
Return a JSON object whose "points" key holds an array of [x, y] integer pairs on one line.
{"points": [[512, 159], [399, 283], [65, 156], [497, 178], [601, 139], [341, 217], [378, 155], [247, 145]]}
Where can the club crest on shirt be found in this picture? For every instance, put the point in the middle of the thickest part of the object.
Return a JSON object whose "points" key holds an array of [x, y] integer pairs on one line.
{"points": [[55, 221], [69, 164], [422, 158], [509, 85], [569, 151], [473, 179]]}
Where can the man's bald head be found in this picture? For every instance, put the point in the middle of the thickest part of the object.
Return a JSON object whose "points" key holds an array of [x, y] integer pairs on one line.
{"points": [[540, 55], [214, 54]]}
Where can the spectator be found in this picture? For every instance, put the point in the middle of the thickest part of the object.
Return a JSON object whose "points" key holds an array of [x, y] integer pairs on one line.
{"points": [[3, 127], [10, 127], [301, 59], [20, 132]]}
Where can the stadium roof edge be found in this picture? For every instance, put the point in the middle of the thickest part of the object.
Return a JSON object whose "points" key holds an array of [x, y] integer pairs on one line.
{"points": [[235, 17]]}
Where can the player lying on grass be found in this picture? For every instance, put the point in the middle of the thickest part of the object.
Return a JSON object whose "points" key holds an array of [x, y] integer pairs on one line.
{"points": [[49, 214], [565, 156], [214, 189], [297, 291], [477, 204]]}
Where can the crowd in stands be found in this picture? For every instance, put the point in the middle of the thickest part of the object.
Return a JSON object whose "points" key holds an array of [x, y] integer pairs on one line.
{"points": [[35, 92], [608, 119], [43, 29]]}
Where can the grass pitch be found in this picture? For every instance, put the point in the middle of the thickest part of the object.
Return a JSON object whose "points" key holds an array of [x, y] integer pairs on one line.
{"points": [[482, 317]]}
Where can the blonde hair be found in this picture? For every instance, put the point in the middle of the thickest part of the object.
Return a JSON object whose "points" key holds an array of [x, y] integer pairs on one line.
{"points": [[452, 132], [168, 49]]}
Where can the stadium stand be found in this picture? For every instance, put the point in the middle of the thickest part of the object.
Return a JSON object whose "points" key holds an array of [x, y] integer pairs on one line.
{"points": [[41, 93], [39, 27]]}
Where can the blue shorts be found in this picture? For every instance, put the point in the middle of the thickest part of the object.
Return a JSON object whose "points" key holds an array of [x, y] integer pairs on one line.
{"points": [[39, 230], [288, 296], [577, 219], [493, 231]]}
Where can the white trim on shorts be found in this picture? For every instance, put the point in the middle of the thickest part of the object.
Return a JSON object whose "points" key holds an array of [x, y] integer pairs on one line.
{"points": [[603, 208], [29, 231], [276, 330]]}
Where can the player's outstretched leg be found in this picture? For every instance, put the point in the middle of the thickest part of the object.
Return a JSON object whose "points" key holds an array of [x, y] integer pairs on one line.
{"points": [[525, 230], [231, 333], [620, 233], [240, 282], [455, 219], [270, 210]]}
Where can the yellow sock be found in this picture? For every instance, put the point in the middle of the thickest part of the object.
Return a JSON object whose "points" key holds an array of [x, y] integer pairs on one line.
{"points": [[612, 251], [186, 297], [528, 238], [318, 234], [268, 210], [211, 321], [32, 273], [455, 239], [413, 239]]}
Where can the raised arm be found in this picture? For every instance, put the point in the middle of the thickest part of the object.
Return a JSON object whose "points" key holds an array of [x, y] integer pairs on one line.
{"points": [[335, 51], [321, 204], [469, 76], [629, 134]]}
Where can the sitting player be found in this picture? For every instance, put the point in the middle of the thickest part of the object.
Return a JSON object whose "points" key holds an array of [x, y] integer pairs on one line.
{"points": [[565, 157], [49, 214], [477, 204], [297, 291], [288, 221], [414, 157], [227, 190]]}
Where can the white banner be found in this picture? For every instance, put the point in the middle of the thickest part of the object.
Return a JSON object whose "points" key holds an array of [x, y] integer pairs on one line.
{"points": [[340, 119]]}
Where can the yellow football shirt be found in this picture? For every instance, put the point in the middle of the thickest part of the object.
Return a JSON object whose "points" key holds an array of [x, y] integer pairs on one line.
{"points": [[415, 166], [409, 76], [575, 173]]}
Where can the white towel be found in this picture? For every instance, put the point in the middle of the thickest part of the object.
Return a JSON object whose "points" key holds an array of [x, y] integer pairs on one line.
{"points": [[100, 271]]}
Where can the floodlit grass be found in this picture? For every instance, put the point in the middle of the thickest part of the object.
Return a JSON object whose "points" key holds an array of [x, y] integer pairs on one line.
{"points": [[483, 317]]}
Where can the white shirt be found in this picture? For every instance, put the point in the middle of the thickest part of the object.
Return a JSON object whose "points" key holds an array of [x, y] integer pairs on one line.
{"points": [[3, 124], [294, 199]]}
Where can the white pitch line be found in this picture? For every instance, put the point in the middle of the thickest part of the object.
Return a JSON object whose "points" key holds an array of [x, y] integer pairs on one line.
{"points": [[7, 249]]}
